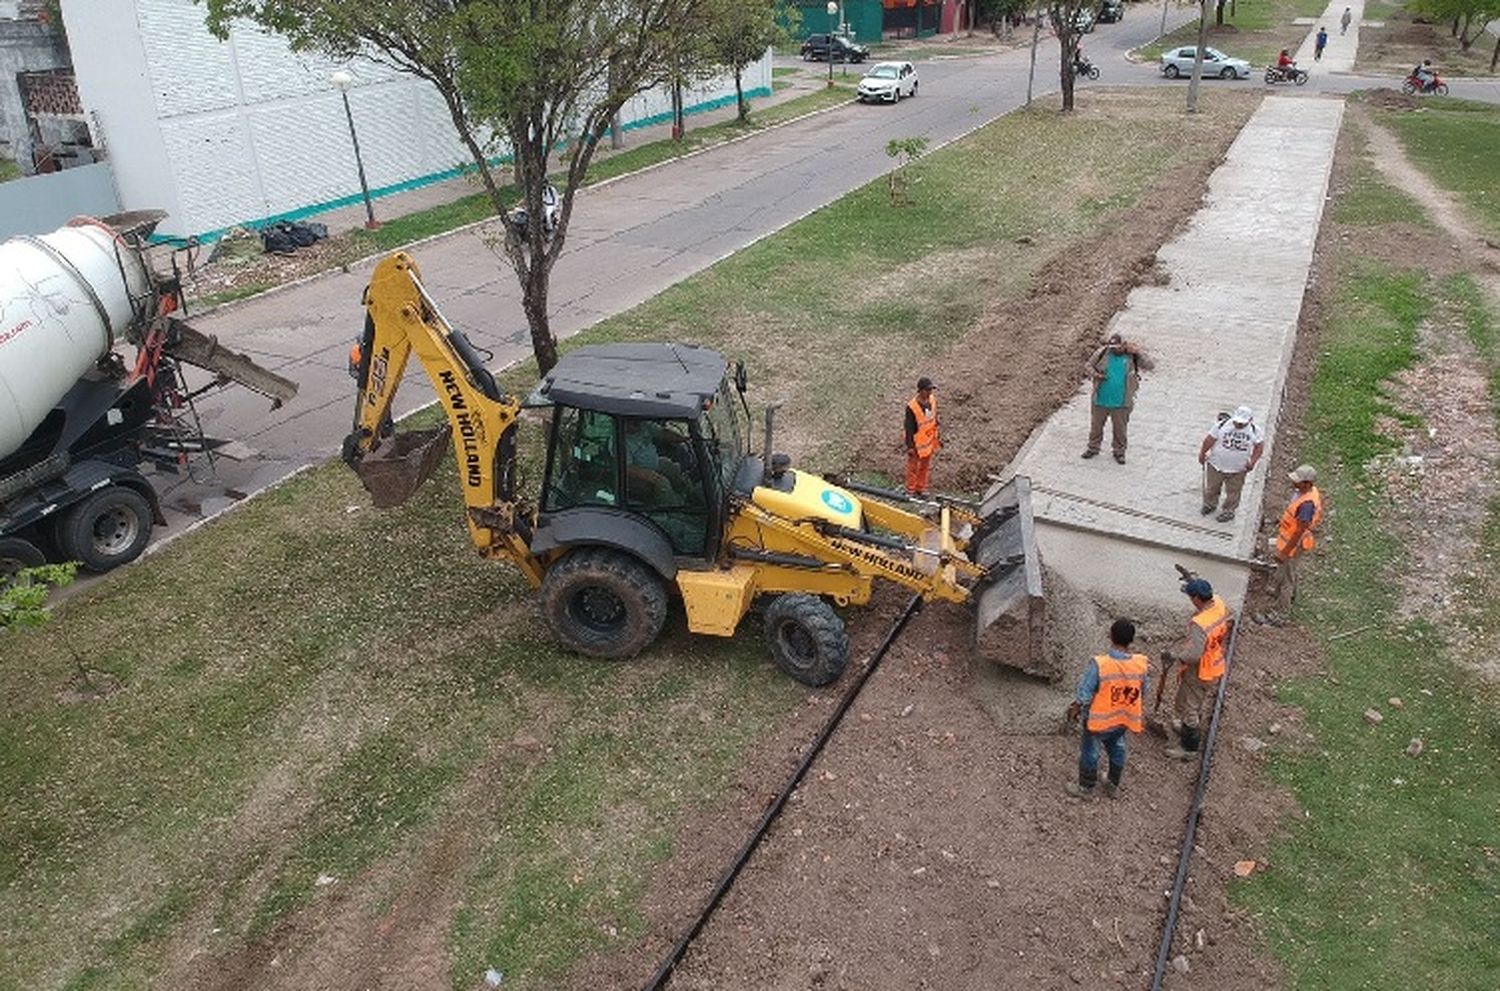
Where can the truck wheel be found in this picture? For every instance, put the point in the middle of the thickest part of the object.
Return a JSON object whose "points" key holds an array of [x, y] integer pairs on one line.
{"points": [[107, 529], [603, 603], [807, 639], [17, 555]]}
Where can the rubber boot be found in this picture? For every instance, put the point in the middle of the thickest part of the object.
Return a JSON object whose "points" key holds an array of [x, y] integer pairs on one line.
{"points": [[1187, 749]]}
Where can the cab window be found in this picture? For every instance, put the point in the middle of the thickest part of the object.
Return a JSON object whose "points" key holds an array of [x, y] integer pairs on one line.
{"points": [[664, 480], [583, 471]]}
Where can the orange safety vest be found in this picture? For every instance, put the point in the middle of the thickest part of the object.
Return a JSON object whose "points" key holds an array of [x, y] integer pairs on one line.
{"points": [[1213, 620], [1117, 702], [925, 440], [1288, 524]]}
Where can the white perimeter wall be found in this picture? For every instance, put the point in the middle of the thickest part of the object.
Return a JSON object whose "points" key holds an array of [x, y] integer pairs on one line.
{"points": [[223, 133]]}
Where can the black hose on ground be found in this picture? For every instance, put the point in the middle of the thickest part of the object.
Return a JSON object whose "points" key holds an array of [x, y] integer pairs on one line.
{"points": [[1195, 812], [664, 972]]}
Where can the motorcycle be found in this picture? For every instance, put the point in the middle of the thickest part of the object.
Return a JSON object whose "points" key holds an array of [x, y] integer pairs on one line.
{"points": [[519, 219], [1083, 67], [1412, 85], [1276, 74]]}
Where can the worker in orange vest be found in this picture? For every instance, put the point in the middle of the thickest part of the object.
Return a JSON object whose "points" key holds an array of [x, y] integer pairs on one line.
{"points": [[1112, 687], [921, 437], [1207, 643], [1294, 534]]}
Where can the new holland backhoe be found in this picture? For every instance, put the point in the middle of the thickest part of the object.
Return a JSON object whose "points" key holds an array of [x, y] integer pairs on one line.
{"points": [[650, 490]]}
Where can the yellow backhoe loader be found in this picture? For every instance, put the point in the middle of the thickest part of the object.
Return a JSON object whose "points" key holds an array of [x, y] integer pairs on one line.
{"points": [[650, 490]]}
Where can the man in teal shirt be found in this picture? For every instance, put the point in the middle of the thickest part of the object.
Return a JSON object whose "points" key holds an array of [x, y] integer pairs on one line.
{"points": [[1115, 369]]}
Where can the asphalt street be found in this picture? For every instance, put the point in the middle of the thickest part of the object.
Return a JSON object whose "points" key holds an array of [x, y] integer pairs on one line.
{"points": [[628, 240]]}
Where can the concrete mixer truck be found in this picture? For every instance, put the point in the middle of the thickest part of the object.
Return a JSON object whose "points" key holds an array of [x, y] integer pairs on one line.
{"points": [[92, 344]]}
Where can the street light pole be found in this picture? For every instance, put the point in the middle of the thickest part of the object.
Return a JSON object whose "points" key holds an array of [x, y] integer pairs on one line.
{"points": [[833, 14], [342, 81]]}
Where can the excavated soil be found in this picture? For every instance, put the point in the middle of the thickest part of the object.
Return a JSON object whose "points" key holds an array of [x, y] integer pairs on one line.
{"points": [[932, 845]]}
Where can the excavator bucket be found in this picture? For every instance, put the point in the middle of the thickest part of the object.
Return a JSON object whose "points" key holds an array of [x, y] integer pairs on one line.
{"points": [[397, 465], [1008, 605]]}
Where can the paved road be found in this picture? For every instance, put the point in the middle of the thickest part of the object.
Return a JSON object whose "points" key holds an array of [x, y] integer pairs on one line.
{"points": [[628, 241]]}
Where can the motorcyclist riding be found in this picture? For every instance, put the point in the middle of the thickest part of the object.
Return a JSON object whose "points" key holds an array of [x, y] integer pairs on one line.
{"points": [[1424, 74]]}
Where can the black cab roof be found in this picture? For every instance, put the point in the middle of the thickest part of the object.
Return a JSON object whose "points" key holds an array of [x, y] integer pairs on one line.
{"points": [[671, 381]]}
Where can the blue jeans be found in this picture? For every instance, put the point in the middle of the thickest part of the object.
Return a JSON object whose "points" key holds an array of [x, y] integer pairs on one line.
{"points": [[1113, 742]]}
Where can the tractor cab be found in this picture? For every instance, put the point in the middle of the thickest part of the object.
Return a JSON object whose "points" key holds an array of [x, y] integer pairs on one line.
{"points": [[645, 445]]}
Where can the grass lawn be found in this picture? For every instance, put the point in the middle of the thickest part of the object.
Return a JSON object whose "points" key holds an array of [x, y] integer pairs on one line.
{"points": [[319, 698], [1256, 30], [1457, 142], [1391, 879], [9, 170]]}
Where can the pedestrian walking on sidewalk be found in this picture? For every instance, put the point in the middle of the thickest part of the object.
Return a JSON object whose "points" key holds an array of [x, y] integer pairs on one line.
{"points": [[1294, 535], [1345, 20], [1320, 43], [1228, 454], [1110, 693], [921, 437], [1115, 369], [1200, 657]]}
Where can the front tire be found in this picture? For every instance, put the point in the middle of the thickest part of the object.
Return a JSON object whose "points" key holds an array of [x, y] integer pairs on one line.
{"points": [[1301, 79], [1093, 72], [107, 529], [914, 90], [17, 555], [1171, 71], [1441, 89], [807, 639], [1226, 74], [601, 602]]}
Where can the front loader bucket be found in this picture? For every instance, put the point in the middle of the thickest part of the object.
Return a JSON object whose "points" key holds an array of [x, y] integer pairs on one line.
{"points": [[396, 466], [1009, 610]]}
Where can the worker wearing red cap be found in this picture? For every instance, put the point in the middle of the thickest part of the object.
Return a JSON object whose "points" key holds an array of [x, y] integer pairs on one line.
{"points": [[1201, 657], [921, 437]]}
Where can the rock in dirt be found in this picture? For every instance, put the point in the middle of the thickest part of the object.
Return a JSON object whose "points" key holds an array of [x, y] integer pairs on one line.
{"points": [[1200, 939], [1076, 976], [1395, 703], [1252, 745], [1415, 747], [1373, 717], [1244, 868], [1180, 963], [1273, 729]]}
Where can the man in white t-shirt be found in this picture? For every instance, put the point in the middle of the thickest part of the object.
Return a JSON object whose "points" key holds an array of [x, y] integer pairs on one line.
{"points": [[1229, 453]]}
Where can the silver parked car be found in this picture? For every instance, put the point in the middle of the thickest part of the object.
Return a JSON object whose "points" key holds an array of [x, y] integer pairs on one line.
{"points": [[1179, 62], [888, 81]]}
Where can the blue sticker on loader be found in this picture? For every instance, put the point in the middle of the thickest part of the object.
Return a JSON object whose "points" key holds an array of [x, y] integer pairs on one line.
{"points": [[837, 502]]}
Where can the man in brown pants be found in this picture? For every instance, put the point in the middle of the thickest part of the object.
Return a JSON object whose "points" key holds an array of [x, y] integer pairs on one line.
{"points": [[1115, 369], [1228, 454]]}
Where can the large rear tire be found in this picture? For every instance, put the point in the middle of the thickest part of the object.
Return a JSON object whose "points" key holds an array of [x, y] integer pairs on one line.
{"points": [[603, 603], [107, 529], [807, 639], [17, 555]]}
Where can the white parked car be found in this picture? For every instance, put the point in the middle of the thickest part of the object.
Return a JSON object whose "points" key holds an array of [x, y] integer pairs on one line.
{"points": [[888, 81], [1179, 62]]}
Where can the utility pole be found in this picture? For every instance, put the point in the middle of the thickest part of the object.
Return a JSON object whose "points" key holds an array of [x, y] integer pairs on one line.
{"points": [[1163, 17], [1036, 29], [1192, 104]]}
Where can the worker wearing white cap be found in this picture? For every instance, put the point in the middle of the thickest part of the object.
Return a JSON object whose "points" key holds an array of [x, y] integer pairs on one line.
{"points": [[1229, 452]]}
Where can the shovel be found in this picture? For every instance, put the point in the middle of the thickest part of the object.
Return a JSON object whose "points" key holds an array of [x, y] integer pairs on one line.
{"points": [[1154, 724]]}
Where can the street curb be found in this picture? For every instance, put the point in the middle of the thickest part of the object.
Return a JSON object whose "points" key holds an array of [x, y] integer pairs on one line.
{"points": [[376, 256]]}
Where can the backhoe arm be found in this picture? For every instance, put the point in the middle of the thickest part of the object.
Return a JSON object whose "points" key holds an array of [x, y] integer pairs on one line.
{"points": [[401, 318]]}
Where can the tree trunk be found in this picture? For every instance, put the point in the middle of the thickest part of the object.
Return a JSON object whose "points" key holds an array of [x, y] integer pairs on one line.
{"points": [[1219, 13], [739, 96], [1036, 30], [1454, 30], [1192, 99], [534, 302], [1067, 46], [616, 135], [1464, 41], [1495, 58]]}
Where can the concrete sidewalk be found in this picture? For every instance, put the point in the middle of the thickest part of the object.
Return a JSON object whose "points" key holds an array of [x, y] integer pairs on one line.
{"points": [[1339, 55], [1221, 332]]}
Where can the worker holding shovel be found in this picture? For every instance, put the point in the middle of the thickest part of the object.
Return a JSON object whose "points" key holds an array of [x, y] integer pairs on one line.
{"points": [[1206, 642]]}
